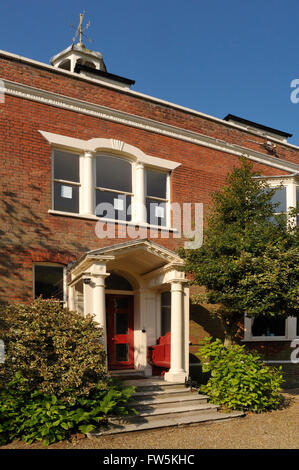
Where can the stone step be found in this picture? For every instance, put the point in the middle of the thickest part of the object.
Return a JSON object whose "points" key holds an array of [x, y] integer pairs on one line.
{"points": [[162, 404], [150, 412], [164, 392], [162, 400], [147, 385], [155, 422]]}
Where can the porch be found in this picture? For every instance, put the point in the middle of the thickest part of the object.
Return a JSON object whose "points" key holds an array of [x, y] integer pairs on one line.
{"points": [[138, 292]]}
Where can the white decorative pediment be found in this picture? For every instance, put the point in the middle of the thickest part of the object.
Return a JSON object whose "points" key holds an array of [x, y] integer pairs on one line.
{"points": [[106, 145]]}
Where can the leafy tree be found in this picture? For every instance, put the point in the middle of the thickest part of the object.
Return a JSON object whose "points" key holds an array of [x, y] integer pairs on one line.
{"points": [[248, 262]]}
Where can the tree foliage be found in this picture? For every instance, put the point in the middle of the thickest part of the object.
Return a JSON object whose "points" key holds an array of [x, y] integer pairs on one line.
{"points": [[249, 259]]}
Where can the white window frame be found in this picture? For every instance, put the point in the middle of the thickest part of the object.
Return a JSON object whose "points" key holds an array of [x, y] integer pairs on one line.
{"points": [[290, 182], [87, 185], [167, 200], [70, 183], [105, 189], [55, 265]]}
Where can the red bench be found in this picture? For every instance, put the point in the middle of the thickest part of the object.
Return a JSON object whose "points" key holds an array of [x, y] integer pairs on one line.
{"points": [[160, 354]]}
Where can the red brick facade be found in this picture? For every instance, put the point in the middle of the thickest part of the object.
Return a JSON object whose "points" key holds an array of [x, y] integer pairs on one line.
{"points": [[28, 232]]}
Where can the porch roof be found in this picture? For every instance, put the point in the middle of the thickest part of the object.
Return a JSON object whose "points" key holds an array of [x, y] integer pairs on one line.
{"points": [[141, 257]]}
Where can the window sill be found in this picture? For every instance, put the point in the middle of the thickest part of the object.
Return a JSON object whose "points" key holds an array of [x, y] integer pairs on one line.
{"points": [[123, 222]]}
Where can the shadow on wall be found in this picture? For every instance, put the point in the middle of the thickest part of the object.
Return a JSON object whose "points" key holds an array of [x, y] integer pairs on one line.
{"points": [[24, 237], [202, 324]]}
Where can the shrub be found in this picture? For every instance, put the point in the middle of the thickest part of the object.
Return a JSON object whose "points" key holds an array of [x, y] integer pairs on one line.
{"points": [[239, 379], [57, 351], [31, 416]]}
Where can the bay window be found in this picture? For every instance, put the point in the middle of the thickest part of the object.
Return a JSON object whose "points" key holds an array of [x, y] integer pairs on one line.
{"points": [[279, 199], [276, 329], [108, 185]]}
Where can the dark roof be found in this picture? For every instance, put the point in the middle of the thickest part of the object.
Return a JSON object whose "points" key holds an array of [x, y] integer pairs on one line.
{"points": [[230, 117], [101, 73]]}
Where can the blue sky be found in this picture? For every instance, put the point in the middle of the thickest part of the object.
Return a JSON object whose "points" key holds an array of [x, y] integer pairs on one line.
{"points": [[215, 56]]}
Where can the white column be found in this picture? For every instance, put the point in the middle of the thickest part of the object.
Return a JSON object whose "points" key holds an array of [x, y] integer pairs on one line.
{"points": [[87, 296], [71, 298], [99, 305], [177, 372], [88, 193], [291, 199], [73, 60], [140, 210]]}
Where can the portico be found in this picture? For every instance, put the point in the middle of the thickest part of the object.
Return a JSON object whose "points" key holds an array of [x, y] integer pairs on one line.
{"points": [[122, 285]]}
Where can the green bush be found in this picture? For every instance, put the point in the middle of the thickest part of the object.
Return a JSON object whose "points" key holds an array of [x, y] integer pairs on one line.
{"points": [[32, 416], [57, 351], [239, 379]]}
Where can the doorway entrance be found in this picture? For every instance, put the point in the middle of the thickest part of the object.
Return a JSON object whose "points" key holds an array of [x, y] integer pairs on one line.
{"points": [[120, 331]]}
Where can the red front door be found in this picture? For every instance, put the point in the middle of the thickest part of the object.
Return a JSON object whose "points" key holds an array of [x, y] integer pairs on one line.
{"points": [[120, 331]]}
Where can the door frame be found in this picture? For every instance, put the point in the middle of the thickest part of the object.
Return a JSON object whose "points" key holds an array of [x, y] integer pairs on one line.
{"points": [[113, 338]]}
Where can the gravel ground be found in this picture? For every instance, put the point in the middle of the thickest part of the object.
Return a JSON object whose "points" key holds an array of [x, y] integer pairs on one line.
{"points": [[272, 430]]}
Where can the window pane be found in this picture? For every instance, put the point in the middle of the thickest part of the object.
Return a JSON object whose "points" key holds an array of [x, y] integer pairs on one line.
{"points": [[48, 282], [66, 166], [122, 352], [165, 313], [113, 173], [156, 184], [268, 327], [113, 205], [66, 197], [121, 323], [123, 303], [280, 196], [156, 212]]}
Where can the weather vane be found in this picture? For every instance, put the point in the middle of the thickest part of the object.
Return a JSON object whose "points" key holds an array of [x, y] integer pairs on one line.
{"points": [[80, 31]]}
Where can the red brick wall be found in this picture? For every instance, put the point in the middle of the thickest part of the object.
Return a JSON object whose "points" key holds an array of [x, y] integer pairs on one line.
{"points": [[28, 232]]}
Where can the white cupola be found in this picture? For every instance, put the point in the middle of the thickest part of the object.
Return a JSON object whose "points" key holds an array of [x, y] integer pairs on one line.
{"points": [[89, 64], [77, 54]]}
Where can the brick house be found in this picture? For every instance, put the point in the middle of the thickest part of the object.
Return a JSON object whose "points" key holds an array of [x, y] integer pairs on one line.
{"points": [[76, 139]]}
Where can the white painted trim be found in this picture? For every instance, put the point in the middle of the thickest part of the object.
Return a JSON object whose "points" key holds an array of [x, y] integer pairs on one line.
{"points": [[128, 91], [117, 149], [115, 221], [100, 145], [102, 112], [290, 330]]}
